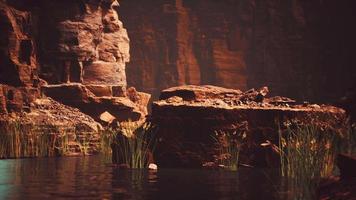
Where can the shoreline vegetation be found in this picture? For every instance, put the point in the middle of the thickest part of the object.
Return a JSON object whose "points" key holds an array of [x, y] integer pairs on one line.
{"points": [[228, 146], [19, 140], [133, 144], [307, 152], [27, 140], [308, 155]]}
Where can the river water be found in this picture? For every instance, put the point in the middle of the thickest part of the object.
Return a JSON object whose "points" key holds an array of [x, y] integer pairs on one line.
{"points": [[93, 178]]}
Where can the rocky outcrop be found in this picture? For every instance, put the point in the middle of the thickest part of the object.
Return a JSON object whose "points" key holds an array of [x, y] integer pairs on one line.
{"points": [[240, 44], [73, 51], [188, 117], [82, 42], [78, 48], [84, 51]]}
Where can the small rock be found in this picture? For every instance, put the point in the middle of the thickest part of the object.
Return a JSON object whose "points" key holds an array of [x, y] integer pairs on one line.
{"points": [[152, 166], [175, 99], [263, 91], [107, 117], [316, 106]]}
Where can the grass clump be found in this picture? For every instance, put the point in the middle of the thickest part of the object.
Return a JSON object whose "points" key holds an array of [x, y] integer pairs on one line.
{"points": [[307, 154], [133, 144], [228, 146], [26, 140], [107, 138]]}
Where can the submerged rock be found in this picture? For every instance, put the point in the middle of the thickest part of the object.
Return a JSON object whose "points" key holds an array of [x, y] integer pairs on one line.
{"points": [[152, 166], [186, 126]]}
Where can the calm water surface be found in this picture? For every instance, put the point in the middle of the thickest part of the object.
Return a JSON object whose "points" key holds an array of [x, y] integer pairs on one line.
{"points": [[91, 178]]}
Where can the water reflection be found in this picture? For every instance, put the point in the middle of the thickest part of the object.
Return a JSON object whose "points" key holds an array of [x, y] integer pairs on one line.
{"points": [[90, 178]]}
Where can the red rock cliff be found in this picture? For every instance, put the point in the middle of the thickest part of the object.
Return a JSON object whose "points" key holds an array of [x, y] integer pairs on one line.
{"points": [[302, 49]]}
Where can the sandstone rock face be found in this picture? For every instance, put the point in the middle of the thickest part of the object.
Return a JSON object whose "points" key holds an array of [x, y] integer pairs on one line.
{"points": [[17, 99], [186, 47], [188, 116], [84, 50], [18, 61], [79, 50], [83, 42], [73, 51], [301, 49]]}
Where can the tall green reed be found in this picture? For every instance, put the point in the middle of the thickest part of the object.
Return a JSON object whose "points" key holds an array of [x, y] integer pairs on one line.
{"points": [[228, 148], [135, 143], [27, 140], [307, 154]]}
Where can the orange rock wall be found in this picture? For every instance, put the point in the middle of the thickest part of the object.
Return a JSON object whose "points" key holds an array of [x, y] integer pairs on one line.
{"points": [[301, 49]]}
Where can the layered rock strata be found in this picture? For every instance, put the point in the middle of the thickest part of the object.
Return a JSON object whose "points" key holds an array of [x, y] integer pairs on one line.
{"points": [[188, 117]]}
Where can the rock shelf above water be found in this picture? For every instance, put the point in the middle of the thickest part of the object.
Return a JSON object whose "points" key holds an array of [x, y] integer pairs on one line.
{"points": [[187, 116]]}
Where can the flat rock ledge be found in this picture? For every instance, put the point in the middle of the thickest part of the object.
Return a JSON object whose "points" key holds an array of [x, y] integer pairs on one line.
{"points": [[188, 116]]}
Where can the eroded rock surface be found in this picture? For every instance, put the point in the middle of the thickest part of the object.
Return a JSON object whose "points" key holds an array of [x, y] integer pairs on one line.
{"points": [[188, 116]]}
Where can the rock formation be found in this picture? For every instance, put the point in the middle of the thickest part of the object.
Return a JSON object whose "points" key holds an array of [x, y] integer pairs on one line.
{"points": [[300, 49], [188, 116], [83, 51], [72, 51], [79, 49]]}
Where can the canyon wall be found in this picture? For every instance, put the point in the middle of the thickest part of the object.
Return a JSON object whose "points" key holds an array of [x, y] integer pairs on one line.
{"points": [[301, 49]]}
